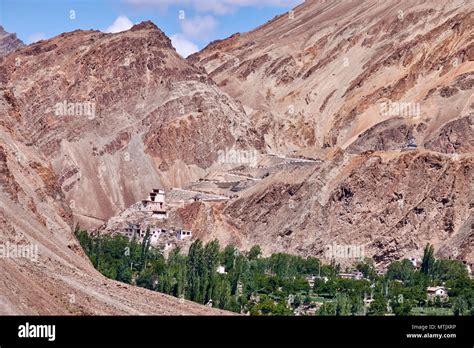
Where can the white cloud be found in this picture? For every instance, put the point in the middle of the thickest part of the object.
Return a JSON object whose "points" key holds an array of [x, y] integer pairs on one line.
{"points": [[218, 7], [183, 46], [122, 23], [199, 27], [35, 37]]}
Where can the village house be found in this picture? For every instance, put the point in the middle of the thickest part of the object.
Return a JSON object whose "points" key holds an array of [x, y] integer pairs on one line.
{"points": [[437, 291], [183, 234], [356, 275], [155, 203], [415, 262], [155, 236], [221, 270], [138, 232], [133, 231]]}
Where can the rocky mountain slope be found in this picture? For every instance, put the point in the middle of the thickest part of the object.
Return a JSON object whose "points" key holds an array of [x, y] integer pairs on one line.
{"points": [[390, 203], [89, 121], [339, 80], [136, 116], [367, 200], [53, 276], [360, 75], [8, 42], [300, 125]]}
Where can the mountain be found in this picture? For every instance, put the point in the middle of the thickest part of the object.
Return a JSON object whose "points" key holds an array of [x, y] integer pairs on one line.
{"points": [[381, 92], [8, 42], [132, 115], [360, 75], [347, 123], [89, 122]]}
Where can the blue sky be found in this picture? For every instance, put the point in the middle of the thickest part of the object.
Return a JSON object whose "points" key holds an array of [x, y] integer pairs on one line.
{"points": [[191, 24]]}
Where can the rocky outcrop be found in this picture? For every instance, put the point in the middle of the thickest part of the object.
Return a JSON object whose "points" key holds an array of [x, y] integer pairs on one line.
{"points": [[7, 182], [8, 42], [454, 137], [51, 275], [392, 203]]}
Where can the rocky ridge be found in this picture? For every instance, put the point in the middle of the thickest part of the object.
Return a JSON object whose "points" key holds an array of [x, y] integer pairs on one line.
{"points": [[8, 42]]}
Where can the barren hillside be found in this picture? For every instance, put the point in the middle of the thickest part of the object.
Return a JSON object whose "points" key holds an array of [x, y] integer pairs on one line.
{"points": [[361, 75], [347, 122], [339, 80], [56, 277], [58, 169], [153, 119]]}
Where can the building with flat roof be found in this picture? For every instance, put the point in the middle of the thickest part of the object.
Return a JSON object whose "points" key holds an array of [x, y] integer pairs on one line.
{"points": [[138, 232], [155, 204], [356, 275], [183, 234]]}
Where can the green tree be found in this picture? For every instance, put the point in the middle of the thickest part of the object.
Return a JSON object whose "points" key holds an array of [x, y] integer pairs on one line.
{"points": [[367, 268], [124, 273], [267, 306], [145, 248], [428, 260], [209, 271], [195, 266], [400, 306], [254, 253], [401, 270], [357, 305], [178, 264], [445, 270], [378, 306], [343, 305], [228, 257], [327, 309], [460, 306]]}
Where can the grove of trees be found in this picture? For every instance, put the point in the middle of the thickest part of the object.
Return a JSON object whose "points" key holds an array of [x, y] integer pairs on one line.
{"points": [[277, 285]]}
